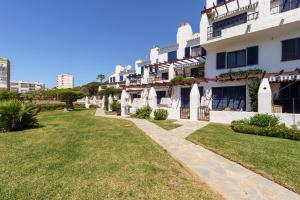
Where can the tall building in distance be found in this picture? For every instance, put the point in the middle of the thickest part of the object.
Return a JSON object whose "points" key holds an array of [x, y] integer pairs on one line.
{"points": [[25, 86], [65, 81], [4, 73]]}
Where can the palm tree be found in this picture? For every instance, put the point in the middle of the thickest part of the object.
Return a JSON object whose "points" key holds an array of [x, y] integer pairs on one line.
{"points": [[101, 77]]}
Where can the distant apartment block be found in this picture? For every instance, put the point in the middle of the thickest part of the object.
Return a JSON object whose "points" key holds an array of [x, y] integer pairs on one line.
{"points": [[4, 73], [25, 86], [65, 81]]}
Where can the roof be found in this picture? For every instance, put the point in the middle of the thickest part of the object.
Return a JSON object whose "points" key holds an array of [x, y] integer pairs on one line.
{"points": [[179, 63]]}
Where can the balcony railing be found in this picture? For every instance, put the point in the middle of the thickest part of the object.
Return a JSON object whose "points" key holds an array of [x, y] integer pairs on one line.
{"points": [[285, 6], [212, 34]]}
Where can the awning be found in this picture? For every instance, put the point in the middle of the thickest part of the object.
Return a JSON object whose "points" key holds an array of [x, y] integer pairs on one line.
{"points": [[180, 63], [285, 78]]}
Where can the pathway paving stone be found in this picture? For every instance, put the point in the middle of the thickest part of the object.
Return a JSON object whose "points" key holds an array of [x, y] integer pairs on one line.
{"points": [[230, 179]]}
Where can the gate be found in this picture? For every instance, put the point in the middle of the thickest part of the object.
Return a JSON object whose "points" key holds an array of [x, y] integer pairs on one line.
{"points": [[204, 113], [184, 113]]}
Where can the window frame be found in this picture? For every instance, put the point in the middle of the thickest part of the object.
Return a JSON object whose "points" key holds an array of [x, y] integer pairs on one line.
{"points": [[296, 49]]}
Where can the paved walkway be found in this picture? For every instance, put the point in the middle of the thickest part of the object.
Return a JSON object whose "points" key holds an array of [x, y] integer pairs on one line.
{"points": [[187, 128], [230, 179]]}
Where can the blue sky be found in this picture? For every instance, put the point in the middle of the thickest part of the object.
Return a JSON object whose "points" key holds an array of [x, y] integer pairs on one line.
{"points": [[43, 38]]}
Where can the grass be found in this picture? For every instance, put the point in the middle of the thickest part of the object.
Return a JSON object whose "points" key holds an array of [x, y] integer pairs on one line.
{"points": [[165, 124], [78, 156], [275, 158]]}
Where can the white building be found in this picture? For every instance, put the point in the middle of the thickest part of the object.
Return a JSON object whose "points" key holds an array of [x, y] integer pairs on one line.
{"points": [[4, 73], [240, 42], [65, 81], [120, 74], [25, 86]]}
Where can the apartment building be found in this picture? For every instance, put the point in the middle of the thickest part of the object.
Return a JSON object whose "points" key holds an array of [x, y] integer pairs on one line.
{"points": [[240, 42], [4, 73], [257, 38], [26, 86], [65, 81]]}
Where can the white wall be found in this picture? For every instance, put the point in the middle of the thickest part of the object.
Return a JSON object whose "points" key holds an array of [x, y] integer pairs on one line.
{"points": [[269, 54], [226, 117], [266, 20]]}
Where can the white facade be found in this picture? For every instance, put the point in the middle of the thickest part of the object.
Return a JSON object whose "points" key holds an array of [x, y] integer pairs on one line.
{"points": [[120, 74], [25, 86], [65, 81], [4, 73], [266, 27]]}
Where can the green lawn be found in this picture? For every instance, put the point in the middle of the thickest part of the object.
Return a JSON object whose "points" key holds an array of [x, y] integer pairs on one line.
{"points": [[275, 158], [165, 124], [78, 156]]}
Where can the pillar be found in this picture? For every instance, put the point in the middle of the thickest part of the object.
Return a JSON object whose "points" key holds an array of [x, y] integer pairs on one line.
{"points": [[172, 73], [124, 97], [87, 103], [103, 103], [110, 102], [152, 99], [194, 103], [265, 97], [127, 83]]}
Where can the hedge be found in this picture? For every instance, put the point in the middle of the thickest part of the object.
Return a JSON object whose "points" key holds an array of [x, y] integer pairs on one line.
{"points": [[280, 131]]}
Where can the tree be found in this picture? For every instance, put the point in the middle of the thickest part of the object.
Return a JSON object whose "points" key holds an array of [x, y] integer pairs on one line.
{"points": [[69, 96], [101, 77]]}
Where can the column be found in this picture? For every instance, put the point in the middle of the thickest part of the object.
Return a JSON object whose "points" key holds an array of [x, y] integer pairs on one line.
{"points": [[110, 102], [194, 103], [265, 97], [124, 97], [152, 99], [172, 73]]}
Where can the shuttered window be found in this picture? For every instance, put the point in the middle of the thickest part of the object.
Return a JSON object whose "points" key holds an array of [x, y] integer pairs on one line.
{"points": [[187, 53], [291, 49], [252, 55], [221, 60], [236, 59]]}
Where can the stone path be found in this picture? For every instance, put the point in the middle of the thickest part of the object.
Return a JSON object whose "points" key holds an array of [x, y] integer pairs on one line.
{"points": [[229, 179], [187, 128]]}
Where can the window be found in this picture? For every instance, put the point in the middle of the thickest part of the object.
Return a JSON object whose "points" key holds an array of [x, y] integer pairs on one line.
{"points": [[121, 78], [196, 51], [203, 52], [219, 2], [187, 52], [252, 55], [160, 95], [197, 72], [185, 97], [291, 49], [172, 56], [236, 59], [165, 76], [230, 22], [221, 60], [229, 97], [142, 70]]}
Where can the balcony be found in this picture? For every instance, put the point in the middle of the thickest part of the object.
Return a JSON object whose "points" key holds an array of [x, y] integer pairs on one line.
{"points": [[287, 5], [213, 32]]}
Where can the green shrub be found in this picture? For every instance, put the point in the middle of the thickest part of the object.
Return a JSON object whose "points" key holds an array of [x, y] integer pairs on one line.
{"points": [[50, 106], [160, 114], [280, 131], [16, 116], [69, 96], [115, 105], [79, 106], [93, 107], [143, 113], [7, 95], [263, 120]]}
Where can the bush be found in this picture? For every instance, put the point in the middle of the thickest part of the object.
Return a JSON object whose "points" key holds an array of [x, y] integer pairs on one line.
{"points": [[264, 120], [143, 113], [69, 96], [280, 131], [7, 95], [16, 116], [50, 106], [160, 114], [93, 107], [115, 105]]}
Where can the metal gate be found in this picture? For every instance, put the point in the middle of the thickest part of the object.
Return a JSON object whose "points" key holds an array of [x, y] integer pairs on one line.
{"points": [[185, 113], [204, 113]]}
